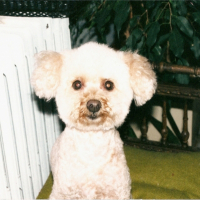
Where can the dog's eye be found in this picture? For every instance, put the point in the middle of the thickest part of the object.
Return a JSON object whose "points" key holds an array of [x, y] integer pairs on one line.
{"points": [[77, 85], [109, 85]]}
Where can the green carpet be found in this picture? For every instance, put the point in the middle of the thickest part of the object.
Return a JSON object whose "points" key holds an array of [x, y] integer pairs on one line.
{"points": [[157, 175]]}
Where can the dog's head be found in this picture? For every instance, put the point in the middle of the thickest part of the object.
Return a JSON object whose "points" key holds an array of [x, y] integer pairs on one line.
{"points": [[93, 85]]}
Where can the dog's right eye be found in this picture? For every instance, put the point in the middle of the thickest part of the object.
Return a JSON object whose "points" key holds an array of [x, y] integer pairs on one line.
{"points": [[109, 85], [77, 85]]}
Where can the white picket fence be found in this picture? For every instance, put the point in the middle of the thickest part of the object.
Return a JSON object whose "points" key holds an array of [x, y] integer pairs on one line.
{"points": [[28, 126]]}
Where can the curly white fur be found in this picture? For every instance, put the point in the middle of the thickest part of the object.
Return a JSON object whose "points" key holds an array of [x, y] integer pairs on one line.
{"points": [[89, 165], [87, 159]]}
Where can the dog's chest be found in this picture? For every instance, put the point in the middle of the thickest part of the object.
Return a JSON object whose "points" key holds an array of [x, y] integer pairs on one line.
{"points": [[93, 150], [94, 160]]}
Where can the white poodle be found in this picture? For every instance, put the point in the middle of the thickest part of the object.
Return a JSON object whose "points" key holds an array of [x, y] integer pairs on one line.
{"points": [[93, 86]]}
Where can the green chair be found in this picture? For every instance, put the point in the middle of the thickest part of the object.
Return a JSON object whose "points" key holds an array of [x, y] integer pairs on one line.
{"points": [[157, 175]]}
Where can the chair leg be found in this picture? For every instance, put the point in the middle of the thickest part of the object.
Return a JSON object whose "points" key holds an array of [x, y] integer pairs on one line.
{"points": [[185, 134], [164, 131], [144, 129]]}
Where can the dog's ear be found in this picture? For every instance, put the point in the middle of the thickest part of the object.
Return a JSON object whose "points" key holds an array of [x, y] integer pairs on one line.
{"points": [[142, 77], [46, 75]]}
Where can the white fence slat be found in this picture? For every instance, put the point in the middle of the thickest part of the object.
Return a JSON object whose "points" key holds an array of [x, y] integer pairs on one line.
{"points": [[4, 183], [28, 126], [57, 35], [66, 33], [26, 37], [7, 124], [31, 24]]}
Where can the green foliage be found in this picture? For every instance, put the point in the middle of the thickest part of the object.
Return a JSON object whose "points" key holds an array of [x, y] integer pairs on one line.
{"points": [[166, 31], [121, 9]]}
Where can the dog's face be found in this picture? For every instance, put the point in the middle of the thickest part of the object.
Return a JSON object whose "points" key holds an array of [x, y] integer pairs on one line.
{"points": [[93, 85], [94, 91]]}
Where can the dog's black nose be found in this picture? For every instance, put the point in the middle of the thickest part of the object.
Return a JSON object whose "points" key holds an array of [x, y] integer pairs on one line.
{"points": [[93, 105]]}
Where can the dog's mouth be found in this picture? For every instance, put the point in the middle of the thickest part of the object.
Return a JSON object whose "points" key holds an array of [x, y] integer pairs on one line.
{"points": [[93, 116]]}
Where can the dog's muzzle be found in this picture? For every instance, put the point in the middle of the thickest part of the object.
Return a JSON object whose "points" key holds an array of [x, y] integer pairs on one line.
{"points": [[93, 105]]}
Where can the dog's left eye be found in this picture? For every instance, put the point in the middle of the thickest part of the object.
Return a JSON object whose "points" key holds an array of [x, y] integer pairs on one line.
{"points": [[109, 85], [77, 85]]}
